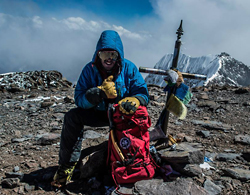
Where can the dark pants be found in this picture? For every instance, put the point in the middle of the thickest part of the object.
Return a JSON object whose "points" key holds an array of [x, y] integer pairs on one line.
{"points": [[72, 131]]}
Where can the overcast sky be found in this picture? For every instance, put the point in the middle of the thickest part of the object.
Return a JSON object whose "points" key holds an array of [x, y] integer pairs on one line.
{"points": [[62, 34]]}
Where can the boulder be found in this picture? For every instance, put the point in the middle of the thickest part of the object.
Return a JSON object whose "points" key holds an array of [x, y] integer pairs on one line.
{"points": [[192, 170], [236, 173], [227, 156], [93, 164], [48, 138], [185, 153], [158, 187], [242, 139], [212, 188], [213, 125], [93, 158]]}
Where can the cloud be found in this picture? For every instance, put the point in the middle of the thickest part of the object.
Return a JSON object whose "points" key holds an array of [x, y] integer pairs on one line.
{"points": [[38, 23], [38, 43], [122, 31], [78, 23]]}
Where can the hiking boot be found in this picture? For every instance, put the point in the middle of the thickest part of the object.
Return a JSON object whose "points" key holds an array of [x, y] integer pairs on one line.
{"points": [[63, 174]]}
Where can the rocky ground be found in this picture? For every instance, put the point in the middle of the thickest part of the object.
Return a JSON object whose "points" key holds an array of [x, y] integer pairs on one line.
{"points": [[31, 121]]}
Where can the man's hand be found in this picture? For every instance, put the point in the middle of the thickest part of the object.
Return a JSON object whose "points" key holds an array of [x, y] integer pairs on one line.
{"points": [[108, 86], [107, 90], [174, 77], [129, 105]]}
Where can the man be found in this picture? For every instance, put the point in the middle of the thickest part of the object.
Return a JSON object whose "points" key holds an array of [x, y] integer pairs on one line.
{"points": [[108, 78]]}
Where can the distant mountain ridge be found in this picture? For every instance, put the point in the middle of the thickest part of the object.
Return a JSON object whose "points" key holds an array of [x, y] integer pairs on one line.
{"points": [[220, 69]]}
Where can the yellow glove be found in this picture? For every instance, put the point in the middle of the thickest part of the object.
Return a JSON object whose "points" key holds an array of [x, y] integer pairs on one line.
{"points": [[128, 105], [108, 86]]}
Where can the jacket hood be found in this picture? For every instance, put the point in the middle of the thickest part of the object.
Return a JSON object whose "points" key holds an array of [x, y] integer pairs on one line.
{"points": [[109, 39]]}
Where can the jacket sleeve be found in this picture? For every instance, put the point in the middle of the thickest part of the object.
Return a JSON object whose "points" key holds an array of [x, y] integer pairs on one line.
{"points": [[138, 86], [83, 84]]}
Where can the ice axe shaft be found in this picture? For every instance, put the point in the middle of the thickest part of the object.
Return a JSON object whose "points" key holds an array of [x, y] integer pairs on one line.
{"points": [[119, 152], [164, 72]]}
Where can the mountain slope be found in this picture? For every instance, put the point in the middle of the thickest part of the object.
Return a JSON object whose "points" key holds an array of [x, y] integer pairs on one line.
{"points": [[220, 69]]}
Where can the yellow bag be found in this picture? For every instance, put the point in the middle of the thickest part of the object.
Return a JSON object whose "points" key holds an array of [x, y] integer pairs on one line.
{"points": [[175, 106]]}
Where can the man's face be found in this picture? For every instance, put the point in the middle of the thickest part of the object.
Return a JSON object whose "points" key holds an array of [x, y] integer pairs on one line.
{"points": [[108, 58]]}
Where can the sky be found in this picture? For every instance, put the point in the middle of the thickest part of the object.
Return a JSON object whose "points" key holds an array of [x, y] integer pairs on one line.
{"points": [[62, 34]]}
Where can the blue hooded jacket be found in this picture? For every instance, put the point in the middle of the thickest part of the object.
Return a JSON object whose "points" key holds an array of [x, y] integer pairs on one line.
{"points": [[128, 82]]}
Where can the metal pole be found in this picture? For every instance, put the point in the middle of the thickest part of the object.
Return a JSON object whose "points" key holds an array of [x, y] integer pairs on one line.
{"points": [[164, 72], [174, 66]]}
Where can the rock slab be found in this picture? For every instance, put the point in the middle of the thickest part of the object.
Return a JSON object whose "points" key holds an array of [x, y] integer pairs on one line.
{"points": [[185, 153], [158, 187]]}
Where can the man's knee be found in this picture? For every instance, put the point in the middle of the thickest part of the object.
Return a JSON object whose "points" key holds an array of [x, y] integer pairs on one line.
{"points": [[72, 114], [73, 120]]}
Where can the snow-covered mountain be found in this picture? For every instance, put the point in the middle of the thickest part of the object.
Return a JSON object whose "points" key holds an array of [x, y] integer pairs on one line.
{"points": [[220, 69]]}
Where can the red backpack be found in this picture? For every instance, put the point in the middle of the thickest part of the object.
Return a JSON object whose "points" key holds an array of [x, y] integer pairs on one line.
{"points": [[128, 146]]}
